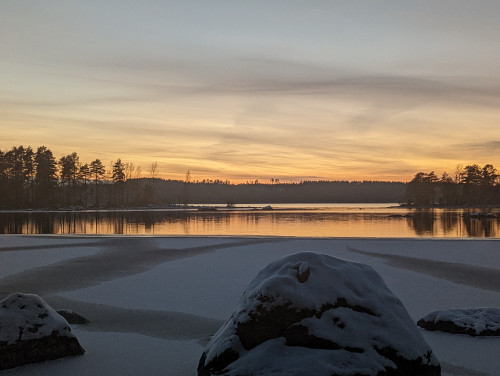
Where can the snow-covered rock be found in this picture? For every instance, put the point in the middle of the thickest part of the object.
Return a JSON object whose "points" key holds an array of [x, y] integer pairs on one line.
{"points": [[313, 314], [31, 331], [471, 321]]}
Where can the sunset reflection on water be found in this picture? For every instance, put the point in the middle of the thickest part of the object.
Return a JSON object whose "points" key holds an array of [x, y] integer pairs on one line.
{"points": [[326, 222]]}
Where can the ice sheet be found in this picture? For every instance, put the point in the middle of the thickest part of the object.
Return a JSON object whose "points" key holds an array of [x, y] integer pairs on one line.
{"points": [[209, 284]]}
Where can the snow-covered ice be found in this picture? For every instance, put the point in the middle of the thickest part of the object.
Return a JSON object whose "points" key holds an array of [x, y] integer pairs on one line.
{"points": [[197, 282], [33, 251]]}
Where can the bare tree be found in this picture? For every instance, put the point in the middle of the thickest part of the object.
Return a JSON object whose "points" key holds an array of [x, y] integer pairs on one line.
{"points": [[459, 171], [153, 169], [138, 172], [129, 170], [185, 189]]}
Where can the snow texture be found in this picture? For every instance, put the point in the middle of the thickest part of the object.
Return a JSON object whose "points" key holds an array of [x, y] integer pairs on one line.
{"points": [[193, 286], [309, 313], [471, 321], [26, 316], [31, 332]]}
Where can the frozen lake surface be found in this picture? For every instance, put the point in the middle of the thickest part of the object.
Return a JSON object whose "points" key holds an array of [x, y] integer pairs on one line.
{"points": [[154, 301]]}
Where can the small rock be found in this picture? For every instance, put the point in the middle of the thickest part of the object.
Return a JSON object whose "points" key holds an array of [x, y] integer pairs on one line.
{"points": [[72, 317], [31, 331], [470, 321]]}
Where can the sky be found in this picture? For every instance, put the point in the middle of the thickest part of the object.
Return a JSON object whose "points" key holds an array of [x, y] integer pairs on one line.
{"points": [[262, 89]]}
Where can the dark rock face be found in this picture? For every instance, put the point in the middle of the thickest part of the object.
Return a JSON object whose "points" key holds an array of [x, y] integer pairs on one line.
{"points": [[31, 331], [38, 350], [73, 317], [470, 321], [310, 314]]}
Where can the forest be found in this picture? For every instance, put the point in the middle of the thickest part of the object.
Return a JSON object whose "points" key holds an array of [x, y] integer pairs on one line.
{"points": [[35, 179], [32, 179], [471, 186]]}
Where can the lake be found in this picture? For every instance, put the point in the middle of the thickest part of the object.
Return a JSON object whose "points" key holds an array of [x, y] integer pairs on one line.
{"points": [[309, 220]]}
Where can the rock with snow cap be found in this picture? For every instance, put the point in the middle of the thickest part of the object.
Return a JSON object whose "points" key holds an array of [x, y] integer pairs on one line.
{"points": [[470, 321], [31, 331], [313, 314]]}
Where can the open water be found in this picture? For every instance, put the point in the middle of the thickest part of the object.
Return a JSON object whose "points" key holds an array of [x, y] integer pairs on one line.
{"points": [[309, 220]]}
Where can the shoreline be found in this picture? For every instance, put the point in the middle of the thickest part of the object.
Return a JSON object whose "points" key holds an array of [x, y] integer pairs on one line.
{"points": [[205, 207], [247, 207], [251, 236]]}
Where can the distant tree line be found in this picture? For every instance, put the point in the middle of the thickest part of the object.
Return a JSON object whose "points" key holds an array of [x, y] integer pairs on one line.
{"points": [[36, 179], [303, 192], [471, 185]]}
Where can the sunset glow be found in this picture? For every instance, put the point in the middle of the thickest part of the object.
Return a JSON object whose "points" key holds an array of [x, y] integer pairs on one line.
{"points": [[291, 90]]}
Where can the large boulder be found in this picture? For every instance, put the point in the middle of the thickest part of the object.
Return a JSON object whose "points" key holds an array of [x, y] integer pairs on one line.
{"points": [[471, 321], [31, 331], [313, 314]]}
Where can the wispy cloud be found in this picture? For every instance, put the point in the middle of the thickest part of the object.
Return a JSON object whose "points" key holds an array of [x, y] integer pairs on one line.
{"points": [[313, 90]]}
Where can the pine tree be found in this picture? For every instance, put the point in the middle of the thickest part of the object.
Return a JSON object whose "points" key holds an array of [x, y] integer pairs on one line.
{"points": [[45, 177], [118, 171], [97, 170]]}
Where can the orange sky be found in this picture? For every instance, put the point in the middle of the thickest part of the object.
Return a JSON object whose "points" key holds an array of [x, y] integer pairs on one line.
{"points": [[259, 90]]}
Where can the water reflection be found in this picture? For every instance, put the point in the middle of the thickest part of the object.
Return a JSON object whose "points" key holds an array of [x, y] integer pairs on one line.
{"points": [[484, 227], [453, 223], [363, 222], [449, 222], [423, 222]]}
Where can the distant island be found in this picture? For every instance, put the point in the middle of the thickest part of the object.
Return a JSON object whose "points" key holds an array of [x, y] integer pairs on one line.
{"points": [[36, 180]]}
